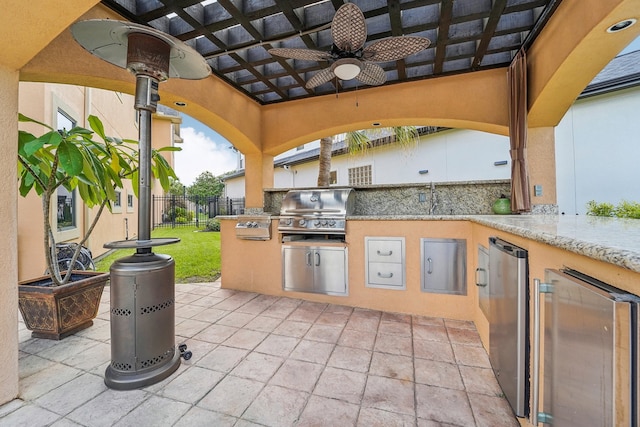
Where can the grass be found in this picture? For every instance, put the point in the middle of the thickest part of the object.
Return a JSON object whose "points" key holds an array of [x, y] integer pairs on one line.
{"points": [[197, 255]]}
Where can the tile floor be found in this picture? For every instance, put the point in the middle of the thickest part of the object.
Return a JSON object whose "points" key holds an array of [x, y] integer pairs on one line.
{"points": [[267, 361]]}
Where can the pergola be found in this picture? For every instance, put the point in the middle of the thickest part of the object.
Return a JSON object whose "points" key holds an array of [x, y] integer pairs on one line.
{"points": [[259, 103]]}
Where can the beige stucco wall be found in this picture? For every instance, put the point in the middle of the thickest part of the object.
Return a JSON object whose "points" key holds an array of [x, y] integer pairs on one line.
{"points": [[9, 247]]}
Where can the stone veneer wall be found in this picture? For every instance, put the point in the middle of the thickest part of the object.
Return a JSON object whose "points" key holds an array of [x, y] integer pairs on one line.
{"points": [[450, 198]]}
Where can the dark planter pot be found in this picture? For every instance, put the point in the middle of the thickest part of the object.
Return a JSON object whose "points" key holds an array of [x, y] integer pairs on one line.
{"points": [[54, 312]]}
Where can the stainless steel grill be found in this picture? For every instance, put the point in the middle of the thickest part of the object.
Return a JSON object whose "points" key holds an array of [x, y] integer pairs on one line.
{"points": [[316, 211]]}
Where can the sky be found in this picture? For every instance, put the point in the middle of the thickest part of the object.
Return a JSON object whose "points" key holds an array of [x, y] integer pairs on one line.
{"points": [[205, 150]]}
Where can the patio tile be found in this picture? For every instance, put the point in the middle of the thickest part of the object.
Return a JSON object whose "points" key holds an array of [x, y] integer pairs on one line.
{"points": [[471, 356], [357, 339], [389, 395], [297, 375], [198, 417], [292, 328], [223, 358], [29, 415], [459, 324], [190, 327], [329, 334], [155, 411], [304, 315], [192, 384], [443, 405], [392, 366], [492, 411], [189, 311], [332, 319], [341, 384], [464, 336], [313, 306], [259, 367], [73, 346], [32, 364], [394, 345], [363, 323], [312, 351], [263, 323], [205, 301], [426, 320], [281, 308], [430, 333], [11, 406], [108, 407], [231, 396], [236, 319], [396, 317], [350, 358], [438, 374], [211, 315], [321, 411], [395, 328], [216, 333], [46, 380], [277, 345], [186, 298], [198, 349], [480, 381], [72, 394], [245, 338], [372, 417], [276, 406], [433, 350], [338, 309]]}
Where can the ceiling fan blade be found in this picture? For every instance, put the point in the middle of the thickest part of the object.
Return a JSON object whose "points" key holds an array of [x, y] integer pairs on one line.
{"points": [[348, 28], [303, 54], [394, 48], [320, 77], [372, 74]]}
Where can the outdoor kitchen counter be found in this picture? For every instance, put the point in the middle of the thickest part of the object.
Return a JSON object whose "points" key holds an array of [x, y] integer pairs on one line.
{"points": [[611, 240]]}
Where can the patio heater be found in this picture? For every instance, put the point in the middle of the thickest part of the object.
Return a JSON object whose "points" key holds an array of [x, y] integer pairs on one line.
{"points": [[143, 349]]}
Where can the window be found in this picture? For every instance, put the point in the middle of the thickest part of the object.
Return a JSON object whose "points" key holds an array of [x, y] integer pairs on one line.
{"points": [[360, 175], [118, 202], [300, 147], [66, 200], [333, 177], [129, 200]]}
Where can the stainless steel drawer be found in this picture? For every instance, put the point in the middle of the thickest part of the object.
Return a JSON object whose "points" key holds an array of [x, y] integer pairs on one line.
{"points": [[386, 274], [384, 249]]}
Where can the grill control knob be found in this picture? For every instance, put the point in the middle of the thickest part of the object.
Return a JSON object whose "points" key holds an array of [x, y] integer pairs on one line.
{"points": [[324, 223], [302, 222], [317, 223], [332, 223]]}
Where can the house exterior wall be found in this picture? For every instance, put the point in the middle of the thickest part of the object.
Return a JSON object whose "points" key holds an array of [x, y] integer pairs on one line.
{"points": [[41, 102], [449, 156], [597, 151]]}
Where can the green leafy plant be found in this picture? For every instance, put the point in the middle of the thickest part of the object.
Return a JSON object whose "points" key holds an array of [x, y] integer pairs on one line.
{"points": [[624, 209], [73, 159], [212, 225]]}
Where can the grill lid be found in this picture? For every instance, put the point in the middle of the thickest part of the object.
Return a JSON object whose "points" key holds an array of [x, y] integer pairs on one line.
{"points": [[319, 202], [316, 211]]}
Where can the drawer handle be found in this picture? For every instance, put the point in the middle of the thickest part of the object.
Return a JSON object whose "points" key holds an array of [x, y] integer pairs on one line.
{"points": [[385, 276], [430, 269], [385, 253]]}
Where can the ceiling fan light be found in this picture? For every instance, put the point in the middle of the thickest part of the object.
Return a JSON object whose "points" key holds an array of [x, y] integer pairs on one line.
{"points": [[346, 68]]}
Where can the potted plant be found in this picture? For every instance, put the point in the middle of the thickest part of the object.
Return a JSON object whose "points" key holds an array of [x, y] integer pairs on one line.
{"points": [[63, 302]]}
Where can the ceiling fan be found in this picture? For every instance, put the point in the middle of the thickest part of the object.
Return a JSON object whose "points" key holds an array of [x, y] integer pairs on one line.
{"points": [[348, 56]]}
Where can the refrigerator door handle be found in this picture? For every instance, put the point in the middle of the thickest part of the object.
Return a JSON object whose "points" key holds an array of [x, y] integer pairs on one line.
{"points": [[535, 387]]}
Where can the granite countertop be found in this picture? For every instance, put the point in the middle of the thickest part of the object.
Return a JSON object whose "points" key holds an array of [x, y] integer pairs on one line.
{"points": [[612, 240]]}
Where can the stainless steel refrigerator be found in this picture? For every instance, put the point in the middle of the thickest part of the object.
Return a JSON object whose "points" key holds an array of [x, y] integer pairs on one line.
{"points": [[590, 356], [509, 321]]}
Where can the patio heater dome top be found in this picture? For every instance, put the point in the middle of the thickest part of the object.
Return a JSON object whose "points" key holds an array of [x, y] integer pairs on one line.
{"points": [[109, 40]]}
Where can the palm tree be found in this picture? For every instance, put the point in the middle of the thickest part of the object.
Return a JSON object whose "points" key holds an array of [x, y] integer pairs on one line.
{"points": [[360, 142]]}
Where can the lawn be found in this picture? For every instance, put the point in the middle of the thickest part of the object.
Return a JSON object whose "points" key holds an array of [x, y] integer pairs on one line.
{"points": [[197, 255]]}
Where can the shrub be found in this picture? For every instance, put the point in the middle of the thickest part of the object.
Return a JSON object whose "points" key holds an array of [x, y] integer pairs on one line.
{"points": [[624, 209], [181, 220], [213, 225]]}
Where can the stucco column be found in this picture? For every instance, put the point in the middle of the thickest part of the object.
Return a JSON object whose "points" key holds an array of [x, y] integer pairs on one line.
{"points": [[541, 156], [258, 175], [9, 227]]}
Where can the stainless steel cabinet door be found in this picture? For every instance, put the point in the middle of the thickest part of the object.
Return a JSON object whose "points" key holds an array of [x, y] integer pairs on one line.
{"points": [[330, 273], [297, 268], [444, 266]]}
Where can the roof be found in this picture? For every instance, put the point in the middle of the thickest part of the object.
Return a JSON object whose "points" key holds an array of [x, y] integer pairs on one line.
{"points": [[622, 72], [234, 37]]}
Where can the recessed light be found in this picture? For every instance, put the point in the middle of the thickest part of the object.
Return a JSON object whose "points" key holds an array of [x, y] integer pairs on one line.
{"points": [[180, 103], [622, 25]]}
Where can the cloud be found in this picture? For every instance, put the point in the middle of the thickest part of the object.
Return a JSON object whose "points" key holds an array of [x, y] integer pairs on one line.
{"points": [[200, 153]]}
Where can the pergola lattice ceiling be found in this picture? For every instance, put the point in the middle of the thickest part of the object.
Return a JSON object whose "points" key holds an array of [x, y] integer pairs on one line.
{"points": [[234, 36]]}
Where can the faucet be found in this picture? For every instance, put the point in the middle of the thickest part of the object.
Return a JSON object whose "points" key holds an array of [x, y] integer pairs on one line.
{"points": [[434, 199]]}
